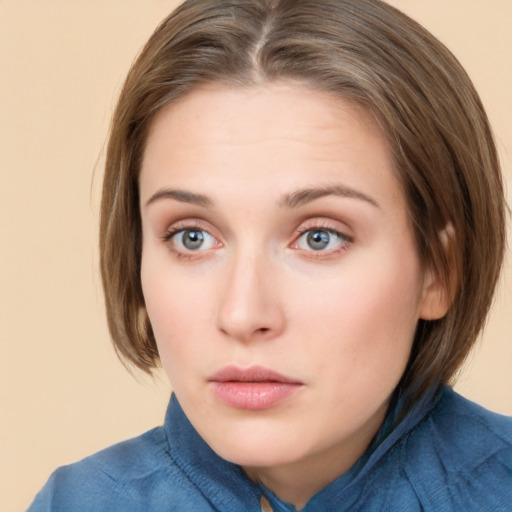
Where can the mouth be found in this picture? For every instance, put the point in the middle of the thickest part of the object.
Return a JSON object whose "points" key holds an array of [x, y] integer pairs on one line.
{"points": [[255, 388]]}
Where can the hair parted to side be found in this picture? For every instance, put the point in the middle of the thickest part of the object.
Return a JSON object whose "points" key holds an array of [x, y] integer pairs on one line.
{"points": [[363, 51]]}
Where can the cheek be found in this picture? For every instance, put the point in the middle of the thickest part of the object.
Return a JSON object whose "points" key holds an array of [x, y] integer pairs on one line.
{"points": [[176, 308], [363, 322]]}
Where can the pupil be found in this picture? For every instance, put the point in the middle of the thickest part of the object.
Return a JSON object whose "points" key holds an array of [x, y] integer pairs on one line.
{"points": [[318, 240], [192, 239]]}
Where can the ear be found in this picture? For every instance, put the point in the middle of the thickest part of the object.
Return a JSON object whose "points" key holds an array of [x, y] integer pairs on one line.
{"points": [[438, 290]]}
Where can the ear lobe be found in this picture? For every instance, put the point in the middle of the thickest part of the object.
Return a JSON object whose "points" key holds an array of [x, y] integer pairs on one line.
{"points": [[439, 288]]}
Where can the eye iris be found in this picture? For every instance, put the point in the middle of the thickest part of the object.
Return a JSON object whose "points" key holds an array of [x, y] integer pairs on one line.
{"points": [[318, 240], [192, 239]]}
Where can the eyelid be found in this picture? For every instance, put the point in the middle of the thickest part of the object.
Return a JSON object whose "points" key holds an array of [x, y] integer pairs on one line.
{"points": [[182, 225], [322, 223]]}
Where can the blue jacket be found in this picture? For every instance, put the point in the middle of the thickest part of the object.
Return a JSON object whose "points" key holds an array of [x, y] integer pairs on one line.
{"points": [[448, 454]]}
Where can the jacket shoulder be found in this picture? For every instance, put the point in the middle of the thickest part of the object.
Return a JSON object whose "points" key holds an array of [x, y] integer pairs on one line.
{"points": [[460, 457], [131, 475]]}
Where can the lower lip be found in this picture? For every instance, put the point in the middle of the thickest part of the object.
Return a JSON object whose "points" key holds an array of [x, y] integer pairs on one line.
{"points": [[254, 396]]}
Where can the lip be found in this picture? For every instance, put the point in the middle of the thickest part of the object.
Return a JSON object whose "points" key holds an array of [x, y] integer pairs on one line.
{"points": [[254, 388]]}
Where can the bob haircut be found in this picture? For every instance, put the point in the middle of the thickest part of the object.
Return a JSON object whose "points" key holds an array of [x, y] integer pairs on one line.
{"points": [[365, 52]]}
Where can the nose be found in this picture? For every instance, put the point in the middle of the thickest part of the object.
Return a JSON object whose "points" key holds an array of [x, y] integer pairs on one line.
{"points": [[250, 307]]}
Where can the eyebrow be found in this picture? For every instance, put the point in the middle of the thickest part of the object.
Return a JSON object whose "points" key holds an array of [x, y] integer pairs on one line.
{"points": [[292, 200], [182, 196], [306, 195]]}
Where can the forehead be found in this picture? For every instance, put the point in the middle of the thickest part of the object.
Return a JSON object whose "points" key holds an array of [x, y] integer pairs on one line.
{"points": [[282, 109], [273, 135]]}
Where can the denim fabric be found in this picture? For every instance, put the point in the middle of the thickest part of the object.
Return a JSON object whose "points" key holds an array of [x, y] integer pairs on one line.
{"points": [[447, 455]]}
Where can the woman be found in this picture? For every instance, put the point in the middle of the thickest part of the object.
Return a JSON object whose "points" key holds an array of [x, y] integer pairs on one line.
{"points": [[303, 220]]}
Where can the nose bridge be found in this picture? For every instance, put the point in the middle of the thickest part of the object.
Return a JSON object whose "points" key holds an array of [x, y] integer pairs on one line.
{"points": [[250, 300]]}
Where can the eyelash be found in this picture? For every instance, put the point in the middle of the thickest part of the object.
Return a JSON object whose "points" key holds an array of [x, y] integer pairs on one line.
{"points": [[190, 255]]}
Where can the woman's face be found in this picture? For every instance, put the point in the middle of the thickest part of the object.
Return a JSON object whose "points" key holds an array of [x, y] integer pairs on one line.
{"points": [[279, 271]]}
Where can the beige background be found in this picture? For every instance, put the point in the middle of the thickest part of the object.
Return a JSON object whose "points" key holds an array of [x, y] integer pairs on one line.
{"points": [[63, 394]]}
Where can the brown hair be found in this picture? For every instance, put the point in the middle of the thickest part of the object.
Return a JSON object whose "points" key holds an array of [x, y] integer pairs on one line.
{"points": [[364, 51]]}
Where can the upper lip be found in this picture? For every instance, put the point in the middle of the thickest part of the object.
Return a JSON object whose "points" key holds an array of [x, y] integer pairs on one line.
{"points": [[251, 374]]}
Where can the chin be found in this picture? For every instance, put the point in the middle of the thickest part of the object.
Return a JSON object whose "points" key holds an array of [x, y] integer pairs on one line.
{"points": [[257, 446]]}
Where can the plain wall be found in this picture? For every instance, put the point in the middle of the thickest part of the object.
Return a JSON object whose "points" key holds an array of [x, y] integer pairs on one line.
{"points": [[63, 393]]}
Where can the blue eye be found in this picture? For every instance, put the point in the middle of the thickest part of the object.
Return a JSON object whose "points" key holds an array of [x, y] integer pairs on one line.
{"points": [[320, 240], [192, 240]]}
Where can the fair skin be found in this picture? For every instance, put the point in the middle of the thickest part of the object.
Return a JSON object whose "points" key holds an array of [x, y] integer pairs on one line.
{"points": [[276, 236]]}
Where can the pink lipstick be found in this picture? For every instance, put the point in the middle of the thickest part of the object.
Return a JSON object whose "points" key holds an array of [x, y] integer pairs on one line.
{"points": [[255, 388]]}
